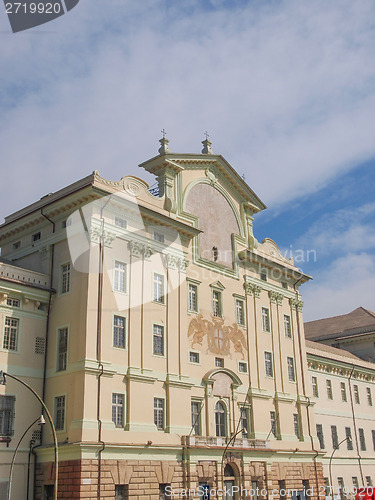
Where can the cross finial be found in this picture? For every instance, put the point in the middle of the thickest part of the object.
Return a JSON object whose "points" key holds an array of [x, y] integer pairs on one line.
{"points": [[206, 134], [206, 145], [164, 148], [164, 133]]}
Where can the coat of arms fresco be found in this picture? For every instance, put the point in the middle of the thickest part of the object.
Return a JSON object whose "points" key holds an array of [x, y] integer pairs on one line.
{"points": [[219, 336]]}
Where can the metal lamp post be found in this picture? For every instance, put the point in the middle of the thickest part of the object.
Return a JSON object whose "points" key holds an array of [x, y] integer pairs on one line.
{"points": [[3, 376], [330, 461]]}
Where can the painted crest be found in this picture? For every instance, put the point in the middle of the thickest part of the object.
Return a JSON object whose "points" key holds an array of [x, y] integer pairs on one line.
{"points": [[220, 337]]}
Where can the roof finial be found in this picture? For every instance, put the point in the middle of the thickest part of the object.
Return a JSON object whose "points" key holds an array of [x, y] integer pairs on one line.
{"points": [[207, 145], [164, 144]]}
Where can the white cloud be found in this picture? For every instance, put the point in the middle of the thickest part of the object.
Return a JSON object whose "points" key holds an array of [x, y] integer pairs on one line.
{"points": [[285, 90], [349, 282], [340, 232]]}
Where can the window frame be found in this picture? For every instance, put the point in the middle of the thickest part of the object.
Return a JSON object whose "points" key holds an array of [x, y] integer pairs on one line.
{"points": [[195, 286], [348, 434], [159, 411], [154, 336], [7, 417], [11, 327], [243, 363], [362, 439], [221, 423], [334, 437], [344, 396], [245, 409], [196, 422], [266, 321], [114, 326], [357, 399], [191, 351], [315, 386], [297, 425], [217, 302], [270, 361], [320, 436], [329, 389], [156, 297], [64, 290], [120, 277], [55, 413], [61, 356], [291, 369], [369, 396], [287, 326], [118, 407], [239, 301]]}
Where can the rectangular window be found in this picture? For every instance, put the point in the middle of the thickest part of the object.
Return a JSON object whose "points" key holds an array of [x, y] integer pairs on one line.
{"points": [[343, 392], [121, 491], [13, 302], [356, 394], [335, 440], [268, 364], [121, 222], [7, 404], [62, 349], [158, 340], [216, 303], [159, 413], [16, 245], [355, 481], [10, 334], [265, 319], [36, 236], [65, 278], [119, 332], [284, 284], [287, 327], [119, 278], [242, 367], [291, 371], [320, 435], [263, 275], [369, 396], [341, 484], [118, 410], [297, 431], [159, 237], [329, 389], [315, 389], [219, 362], [195, 417], [240, 312], [158, 288], [368, 481], [59, 413], [362, 441], [349, 441], [273, 423], [282, 489], [244, 416], [192, 297], [194, 357]]}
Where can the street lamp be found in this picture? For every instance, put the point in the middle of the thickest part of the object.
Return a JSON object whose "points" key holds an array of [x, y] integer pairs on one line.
{"points": [[3, 381], [40, 420], [349, 440]]}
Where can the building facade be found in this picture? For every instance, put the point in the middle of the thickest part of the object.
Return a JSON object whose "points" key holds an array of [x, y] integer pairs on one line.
{"points": [[343, 388], [24, 302], [176, 356]]}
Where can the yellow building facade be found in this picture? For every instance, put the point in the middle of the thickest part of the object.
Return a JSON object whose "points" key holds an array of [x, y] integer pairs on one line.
{"points": [[176, 358]]}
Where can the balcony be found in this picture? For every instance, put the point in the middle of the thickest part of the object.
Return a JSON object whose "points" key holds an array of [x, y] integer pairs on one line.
{"points": [[221, 442]]}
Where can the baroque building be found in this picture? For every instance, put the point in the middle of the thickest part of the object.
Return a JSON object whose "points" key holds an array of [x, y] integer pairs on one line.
{"points": [[176, 356]]}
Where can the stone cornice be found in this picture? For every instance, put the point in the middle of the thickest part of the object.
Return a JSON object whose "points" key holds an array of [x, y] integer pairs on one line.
{"points": [[339, 368]]}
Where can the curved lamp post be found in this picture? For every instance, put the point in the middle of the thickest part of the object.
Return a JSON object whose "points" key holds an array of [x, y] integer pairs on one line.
{"points": [[3, 376], [39, 420], [349, 439]]}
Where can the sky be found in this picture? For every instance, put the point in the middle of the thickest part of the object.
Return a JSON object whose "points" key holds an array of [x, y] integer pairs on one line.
{"points": [[285, 89]]}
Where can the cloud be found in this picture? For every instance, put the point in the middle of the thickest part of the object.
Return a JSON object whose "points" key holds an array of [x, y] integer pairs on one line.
{"points": [[342, 231], [349, 282], [285, 90]]}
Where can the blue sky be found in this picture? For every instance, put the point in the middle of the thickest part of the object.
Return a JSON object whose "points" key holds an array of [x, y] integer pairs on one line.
{"points": [[285, 89]]}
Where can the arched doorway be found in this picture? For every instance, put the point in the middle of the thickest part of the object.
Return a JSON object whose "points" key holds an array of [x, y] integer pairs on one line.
{"points": [[230, 480]]}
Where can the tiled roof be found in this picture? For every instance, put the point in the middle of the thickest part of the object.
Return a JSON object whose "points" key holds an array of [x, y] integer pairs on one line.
{"points": [[357, 322]]}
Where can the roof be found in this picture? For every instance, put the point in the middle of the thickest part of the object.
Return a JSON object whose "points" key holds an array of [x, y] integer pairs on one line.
{"points": [[333, 353], [358, 322]]}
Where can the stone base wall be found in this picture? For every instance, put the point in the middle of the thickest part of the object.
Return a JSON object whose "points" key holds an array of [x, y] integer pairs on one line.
{"points": [[79, 478]]}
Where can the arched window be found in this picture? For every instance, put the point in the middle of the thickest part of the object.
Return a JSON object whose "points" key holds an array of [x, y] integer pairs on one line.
{"points": [[220, 419], [228, 471]]}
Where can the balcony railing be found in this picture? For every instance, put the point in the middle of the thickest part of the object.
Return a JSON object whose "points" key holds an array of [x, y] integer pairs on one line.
{"points": [[215, 442]]}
